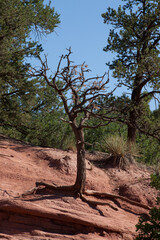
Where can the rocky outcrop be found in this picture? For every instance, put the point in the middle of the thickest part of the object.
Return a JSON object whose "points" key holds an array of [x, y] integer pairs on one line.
{"points": [[48, 214]]}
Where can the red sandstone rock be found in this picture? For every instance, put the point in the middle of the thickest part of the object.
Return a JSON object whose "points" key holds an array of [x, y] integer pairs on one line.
{"points": [[60, 215]]}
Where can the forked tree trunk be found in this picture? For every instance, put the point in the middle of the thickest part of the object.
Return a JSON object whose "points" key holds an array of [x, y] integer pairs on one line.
{"points": [[81, 163]]}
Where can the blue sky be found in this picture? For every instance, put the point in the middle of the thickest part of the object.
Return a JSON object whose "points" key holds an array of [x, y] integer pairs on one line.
{"points": [[83, 30]]}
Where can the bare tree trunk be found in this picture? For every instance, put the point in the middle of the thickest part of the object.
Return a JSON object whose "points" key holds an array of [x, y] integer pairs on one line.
{"points": [[81, 163]]}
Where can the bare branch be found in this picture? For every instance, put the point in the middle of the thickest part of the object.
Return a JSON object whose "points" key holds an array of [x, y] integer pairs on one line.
{"points": [[150, 93], [98, 125], [64, 120], [85, 92]]}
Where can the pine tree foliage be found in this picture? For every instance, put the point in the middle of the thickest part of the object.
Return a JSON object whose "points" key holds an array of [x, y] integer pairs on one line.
{"points": [[135, 40], [20, 20]]}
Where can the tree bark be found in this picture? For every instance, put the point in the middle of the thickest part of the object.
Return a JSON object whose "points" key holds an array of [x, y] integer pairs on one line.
{"points": [[132, 128], [131, 134], [81, 163], [135, 98]]}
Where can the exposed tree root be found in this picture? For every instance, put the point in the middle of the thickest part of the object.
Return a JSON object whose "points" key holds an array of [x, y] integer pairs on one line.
{"points": [[72, 188], [97, 202], [29, 192], [55, 187], [6, 192], [52, 186], [113, 196]]}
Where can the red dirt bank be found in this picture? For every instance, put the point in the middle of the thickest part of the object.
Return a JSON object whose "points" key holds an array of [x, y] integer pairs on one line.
{"points": [[59, 215]]}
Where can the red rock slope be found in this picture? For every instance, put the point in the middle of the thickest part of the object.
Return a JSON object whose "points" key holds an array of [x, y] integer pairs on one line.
{"points": [[60, 215]]}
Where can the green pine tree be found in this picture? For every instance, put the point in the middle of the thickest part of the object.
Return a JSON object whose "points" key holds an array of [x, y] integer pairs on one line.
{"points": [[19, 21], [135, 41]]}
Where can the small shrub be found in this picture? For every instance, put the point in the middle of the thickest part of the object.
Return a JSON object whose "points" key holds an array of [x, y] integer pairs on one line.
{"points": [[122, 153], [116, 145], [149, 149], [133, 149], [155, 181], [149, 229], [70, 144]]}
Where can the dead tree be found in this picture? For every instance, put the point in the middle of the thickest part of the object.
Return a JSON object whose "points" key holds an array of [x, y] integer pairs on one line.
{"points": [[79, 96]]}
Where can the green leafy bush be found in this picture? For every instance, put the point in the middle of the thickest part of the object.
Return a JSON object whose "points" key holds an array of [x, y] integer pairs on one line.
{"points": [[149, 229], [149, 149]]}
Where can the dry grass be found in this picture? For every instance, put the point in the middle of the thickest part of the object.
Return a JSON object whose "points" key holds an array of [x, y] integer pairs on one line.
{"points": [[123, 154], [115, 145], [70, 145]]}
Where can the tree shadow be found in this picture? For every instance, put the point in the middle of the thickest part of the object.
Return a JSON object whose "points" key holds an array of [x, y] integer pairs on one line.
{"points": [[104, 163], [125, 208], [45, 193], [97, 209]]}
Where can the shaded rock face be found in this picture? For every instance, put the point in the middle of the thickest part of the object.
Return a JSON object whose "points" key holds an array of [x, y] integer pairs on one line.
{"points": [[41, 223], [63, 164], [130, 192], [61, 215]]}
